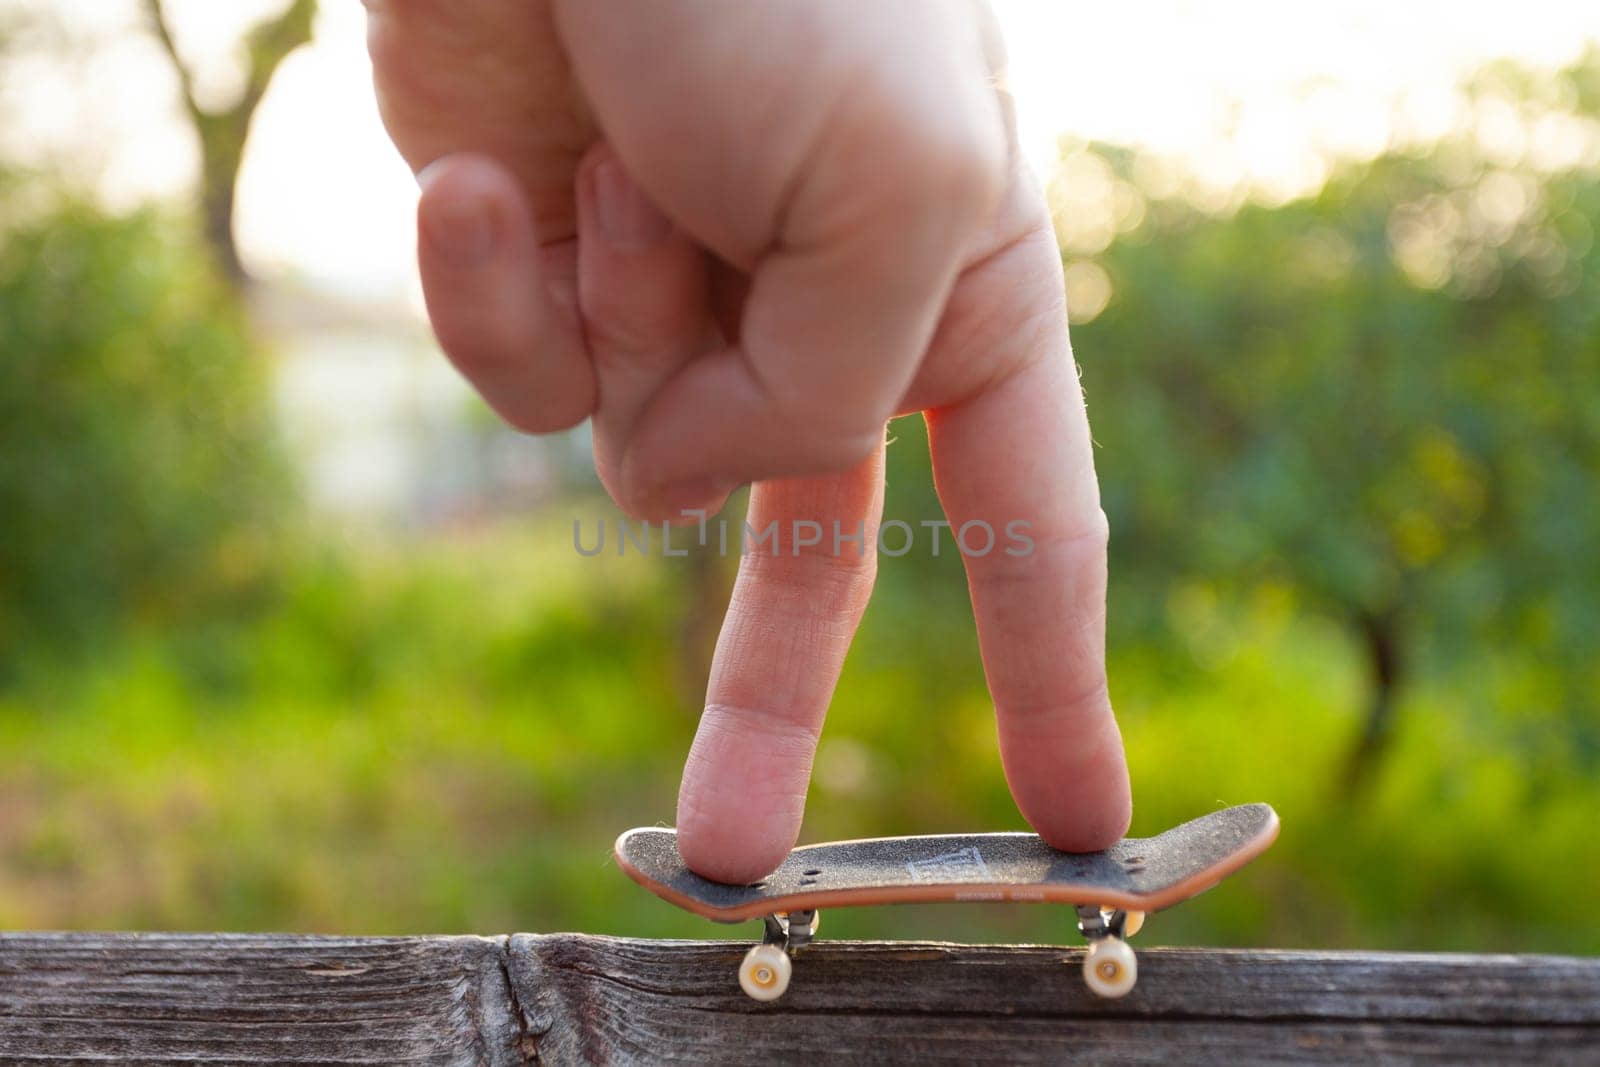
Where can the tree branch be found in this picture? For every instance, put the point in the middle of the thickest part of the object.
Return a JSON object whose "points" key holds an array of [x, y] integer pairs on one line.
{"points": [[163, 31], [223, 131], [268, 45]]}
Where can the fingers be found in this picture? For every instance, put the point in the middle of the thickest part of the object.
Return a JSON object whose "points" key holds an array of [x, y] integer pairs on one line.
{"points": [[835, 324], [495, 297], [827, 349], [1017, 461], [784, 640], [487, 77], [844, 164], [643, 288]]}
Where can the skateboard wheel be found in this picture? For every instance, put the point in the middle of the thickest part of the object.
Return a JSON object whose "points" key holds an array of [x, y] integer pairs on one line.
{"points": [[764, 974], [1110, 968]]}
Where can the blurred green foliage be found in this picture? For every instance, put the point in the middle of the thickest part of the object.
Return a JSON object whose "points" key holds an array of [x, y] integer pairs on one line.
{"points": [[447, 736], [1379, 402], [138, 481], [1373, 404]]}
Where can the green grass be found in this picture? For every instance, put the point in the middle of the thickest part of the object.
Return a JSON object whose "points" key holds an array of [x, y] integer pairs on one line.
{"points": [[446, 737]]}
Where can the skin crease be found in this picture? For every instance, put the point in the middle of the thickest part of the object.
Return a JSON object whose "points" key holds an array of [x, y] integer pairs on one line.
{"points": [[739, 237]]}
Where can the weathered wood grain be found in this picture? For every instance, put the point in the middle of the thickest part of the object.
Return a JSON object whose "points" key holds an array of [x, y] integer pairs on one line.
{"points": [[595, 998], [567, 998], [66, 998]]}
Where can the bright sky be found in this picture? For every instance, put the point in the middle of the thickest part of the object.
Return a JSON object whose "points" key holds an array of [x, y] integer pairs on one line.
{"points": [[323, 195]]}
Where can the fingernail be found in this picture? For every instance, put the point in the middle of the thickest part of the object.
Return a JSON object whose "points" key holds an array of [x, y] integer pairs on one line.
{"points": [[626, 215], [462, 229]]}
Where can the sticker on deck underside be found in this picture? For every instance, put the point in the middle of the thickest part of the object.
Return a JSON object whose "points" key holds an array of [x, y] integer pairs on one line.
{"points": [[963, 865]]}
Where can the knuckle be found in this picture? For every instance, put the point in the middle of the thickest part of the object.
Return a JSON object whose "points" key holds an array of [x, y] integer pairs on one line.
{"points": [[829, 590], [652, 330], [1079, 552], [826, 426], [829, 445], [958, 164]]}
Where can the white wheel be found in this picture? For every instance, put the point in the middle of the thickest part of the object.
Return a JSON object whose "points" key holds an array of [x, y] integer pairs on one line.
{"points": [[764, 974], [1110, 968]]}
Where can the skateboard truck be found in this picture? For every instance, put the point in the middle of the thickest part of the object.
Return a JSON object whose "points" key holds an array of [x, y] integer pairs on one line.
{"points": [[764, 972]]}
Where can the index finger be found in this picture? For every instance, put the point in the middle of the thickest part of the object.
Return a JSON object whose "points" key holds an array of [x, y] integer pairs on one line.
{"points": [[796, 604]]}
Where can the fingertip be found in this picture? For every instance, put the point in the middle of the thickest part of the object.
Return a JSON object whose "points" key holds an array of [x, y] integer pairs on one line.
{"points": [[713, 426], [743, 796], [1077, 800], [614, 208], [468, 212], [1089, 830], [731, 838], [491, 300], [680, 504], [463, 171], [731, 860]]}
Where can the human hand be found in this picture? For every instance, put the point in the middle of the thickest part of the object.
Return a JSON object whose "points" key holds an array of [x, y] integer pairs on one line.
{"points": [[801, 220]]}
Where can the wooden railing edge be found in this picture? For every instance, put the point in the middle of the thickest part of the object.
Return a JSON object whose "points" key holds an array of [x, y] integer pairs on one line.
{"points": [[558, 998]]}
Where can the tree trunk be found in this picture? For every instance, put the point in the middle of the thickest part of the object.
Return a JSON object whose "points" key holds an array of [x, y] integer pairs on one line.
{"points": [[217, 203], [223, 132], [1381, 640]]}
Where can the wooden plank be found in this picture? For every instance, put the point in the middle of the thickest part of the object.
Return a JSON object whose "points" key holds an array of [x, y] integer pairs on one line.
{"points": [[70, 998], [567, 998], [595, 998]]}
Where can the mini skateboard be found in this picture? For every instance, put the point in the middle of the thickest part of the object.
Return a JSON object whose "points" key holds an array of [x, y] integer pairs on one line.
{"points": [[1111, 890]]}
